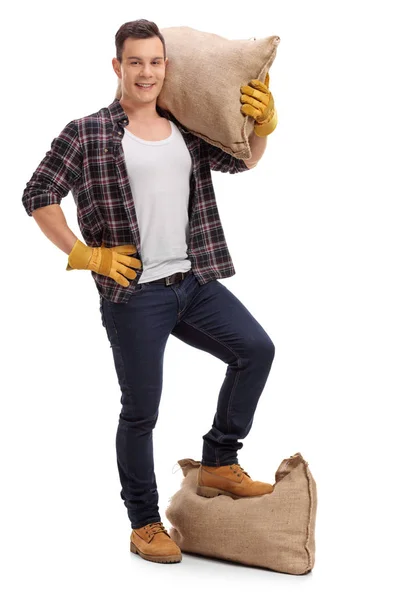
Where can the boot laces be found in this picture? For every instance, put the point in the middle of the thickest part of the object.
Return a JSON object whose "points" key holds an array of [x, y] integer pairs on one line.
{"points": [[241, 468], [154, 528]]}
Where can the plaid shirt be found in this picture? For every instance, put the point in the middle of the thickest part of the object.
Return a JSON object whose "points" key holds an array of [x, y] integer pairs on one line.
{"points": [[87, 158]]}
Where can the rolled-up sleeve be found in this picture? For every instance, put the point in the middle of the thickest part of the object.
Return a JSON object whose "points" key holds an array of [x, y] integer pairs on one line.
{"points": [[222, 161], [58, 171]]}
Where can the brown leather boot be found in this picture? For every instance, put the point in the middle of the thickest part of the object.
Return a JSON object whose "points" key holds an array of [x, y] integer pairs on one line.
{"points": [[230, 480], [153, 542]]}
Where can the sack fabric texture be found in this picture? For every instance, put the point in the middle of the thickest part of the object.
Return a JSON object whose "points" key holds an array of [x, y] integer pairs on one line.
{"points": [[275, 531], [202, 84]]}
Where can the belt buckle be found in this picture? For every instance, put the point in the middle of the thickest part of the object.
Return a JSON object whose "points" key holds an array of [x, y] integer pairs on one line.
{"points": [[167, 279]]}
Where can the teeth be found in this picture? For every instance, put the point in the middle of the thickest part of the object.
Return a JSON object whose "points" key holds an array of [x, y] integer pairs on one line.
{"points": [[144, 85]]}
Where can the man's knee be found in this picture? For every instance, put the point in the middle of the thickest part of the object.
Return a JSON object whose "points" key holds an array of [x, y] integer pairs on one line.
{"points": [[132, 418], [262, 350]]}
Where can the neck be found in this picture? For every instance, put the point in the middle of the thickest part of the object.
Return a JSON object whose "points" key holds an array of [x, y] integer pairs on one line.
{"points": [[145, 113]]}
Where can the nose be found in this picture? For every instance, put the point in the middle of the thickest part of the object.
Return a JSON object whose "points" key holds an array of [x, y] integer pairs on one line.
{"points": [[146, 71]]}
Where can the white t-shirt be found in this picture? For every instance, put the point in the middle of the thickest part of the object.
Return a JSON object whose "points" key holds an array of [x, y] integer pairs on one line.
{"points": [[159, 174]]}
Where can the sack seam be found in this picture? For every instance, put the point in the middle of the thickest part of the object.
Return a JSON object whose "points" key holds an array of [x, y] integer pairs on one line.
{"points": [[311, 507]]}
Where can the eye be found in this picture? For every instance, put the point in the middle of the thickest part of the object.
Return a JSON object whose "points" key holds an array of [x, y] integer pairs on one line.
{"points": [[156, 62]]}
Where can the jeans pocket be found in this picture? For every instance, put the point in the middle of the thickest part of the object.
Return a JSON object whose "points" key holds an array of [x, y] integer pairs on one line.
{"points": [[139, 289]]}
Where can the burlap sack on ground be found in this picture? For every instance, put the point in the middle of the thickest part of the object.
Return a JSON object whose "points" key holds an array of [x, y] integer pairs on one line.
{"points": [[275, 531], [202, 84]]}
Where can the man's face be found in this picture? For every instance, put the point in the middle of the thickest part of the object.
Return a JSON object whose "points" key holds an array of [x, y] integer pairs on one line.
{"points": [[142, 62]]}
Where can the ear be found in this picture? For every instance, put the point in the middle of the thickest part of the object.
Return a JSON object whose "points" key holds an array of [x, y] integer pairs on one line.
{"points": [[166, 62], [116, 67]]}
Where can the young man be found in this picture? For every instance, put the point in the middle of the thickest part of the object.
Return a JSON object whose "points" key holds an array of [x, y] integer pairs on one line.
{"points": [[142, 185]]}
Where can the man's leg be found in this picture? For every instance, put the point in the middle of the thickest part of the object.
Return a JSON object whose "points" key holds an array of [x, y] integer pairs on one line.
{"points": [[215, 321], [138, 332]]}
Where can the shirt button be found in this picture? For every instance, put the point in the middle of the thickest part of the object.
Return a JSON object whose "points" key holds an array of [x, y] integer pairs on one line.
{"points": [[105, 149], [119, 132]]}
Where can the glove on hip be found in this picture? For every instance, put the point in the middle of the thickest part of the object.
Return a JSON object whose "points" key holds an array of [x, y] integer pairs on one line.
{"points": [[113, 262]]}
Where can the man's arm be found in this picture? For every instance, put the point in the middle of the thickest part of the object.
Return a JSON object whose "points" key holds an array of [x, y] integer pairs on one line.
{"points": [[257, 146], [222, 161], [53, 224], [56, 174]]}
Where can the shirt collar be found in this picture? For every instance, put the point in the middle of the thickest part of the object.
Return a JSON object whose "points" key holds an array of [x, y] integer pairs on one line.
{"points": [[118, 115]]}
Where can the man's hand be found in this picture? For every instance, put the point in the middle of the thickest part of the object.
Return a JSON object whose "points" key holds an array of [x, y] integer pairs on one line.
{"points": [[258, 103], [113, 262]]}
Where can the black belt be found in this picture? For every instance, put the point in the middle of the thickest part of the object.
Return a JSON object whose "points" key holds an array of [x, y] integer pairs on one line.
{"points": [[170, 279]]}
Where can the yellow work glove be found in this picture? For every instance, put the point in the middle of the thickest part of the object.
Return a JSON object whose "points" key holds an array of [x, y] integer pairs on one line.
{"points": [[258, 103], [113, 262]]}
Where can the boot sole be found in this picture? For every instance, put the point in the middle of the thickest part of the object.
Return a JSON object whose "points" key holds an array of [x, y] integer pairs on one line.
{"points": [[159, 559], [208, 492]]}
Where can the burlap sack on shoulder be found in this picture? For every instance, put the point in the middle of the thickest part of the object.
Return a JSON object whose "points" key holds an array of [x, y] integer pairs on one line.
{"points": [[202, 84], [275, 531]]}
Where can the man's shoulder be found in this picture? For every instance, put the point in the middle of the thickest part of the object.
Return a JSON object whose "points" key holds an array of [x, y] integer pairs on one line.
{"points": [[101, 115], [98, 123]]}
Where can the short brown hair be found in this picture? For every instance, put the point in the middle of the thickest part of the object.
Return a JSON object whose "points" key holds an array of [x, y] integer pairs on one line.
{"points": [[140, 29]]}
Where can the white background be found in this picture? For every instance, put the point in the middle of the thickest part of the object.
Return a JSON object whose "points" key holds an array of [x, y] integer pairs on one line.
{"points": [[313, 232]]}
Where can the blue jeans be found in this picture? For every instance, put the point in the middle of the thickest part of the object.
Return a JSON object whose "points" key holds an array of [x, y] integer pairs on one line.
{"points": [[208, 317]]}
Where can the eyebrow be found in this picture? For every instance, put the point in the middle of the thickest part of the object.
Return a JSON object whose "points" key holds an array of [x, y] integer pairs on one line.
{"points": [[140, 58]]}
